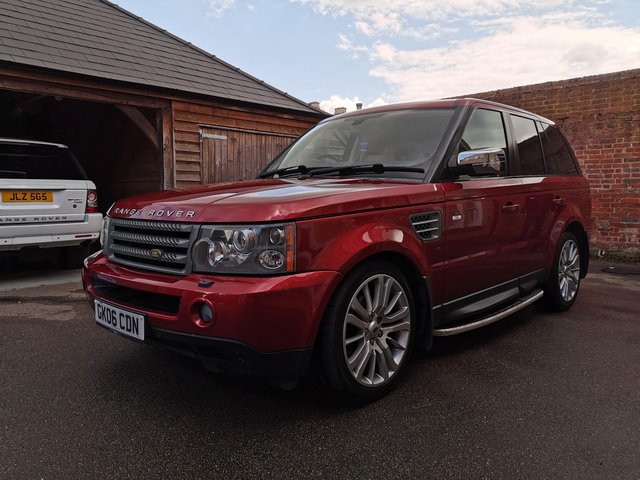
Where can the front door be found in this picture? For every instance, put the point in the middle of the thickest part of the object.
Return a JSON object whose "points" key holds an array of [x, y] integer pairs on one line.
{"points": [[483, 227]]}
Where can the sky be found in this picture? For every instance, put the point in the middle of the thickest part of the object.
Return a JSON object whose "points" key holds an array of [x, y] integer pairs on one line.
{"points": [[341, 52]]}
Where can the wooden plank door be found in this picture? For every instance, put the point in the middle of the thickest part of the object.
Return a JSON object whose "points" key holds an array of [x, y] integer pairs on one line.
{"points": [[229, 155]]}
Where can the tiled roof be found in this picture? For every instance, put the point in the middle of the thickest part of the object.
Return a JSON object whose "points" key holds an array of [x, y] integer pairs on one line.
{"points": [[100, 39]]}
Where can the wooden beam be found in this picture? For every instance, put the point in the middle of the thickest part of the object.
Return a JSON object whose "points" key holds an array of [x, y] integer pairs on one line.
{"points": [[168, 148], [86, 88], [94, 91], [144, 125]]}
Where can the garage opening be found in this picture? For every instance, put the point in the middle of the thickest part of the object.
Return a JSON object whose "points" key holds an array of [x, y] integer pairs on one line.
{"points": [[118, 145], [234, 154]]}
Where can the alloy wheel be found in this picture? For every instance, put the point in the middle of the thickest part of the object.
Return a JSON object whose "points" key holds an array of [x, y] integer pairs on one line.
{"points": [[377, 329], [569, 270]]}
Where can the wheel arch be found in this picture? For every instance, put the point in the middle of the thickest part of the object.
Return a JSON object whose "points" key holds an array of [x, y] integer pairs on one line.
{"points": [[419, 285], [577, 229]]}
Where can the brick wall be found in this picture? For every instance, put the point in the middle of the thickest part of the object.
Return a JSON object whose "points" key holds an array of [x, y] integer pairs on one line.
{"points": [[600, 115]]}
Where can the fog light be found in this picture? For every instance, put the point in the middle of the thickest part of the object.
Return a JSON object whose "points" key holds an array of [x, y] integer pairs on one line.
{"points": [[206, 314]]}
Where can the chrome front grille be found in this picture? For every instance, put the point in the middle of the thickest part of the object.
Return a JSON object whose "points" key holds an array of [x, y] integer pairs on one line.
{"points": [[427, 225], [149, 239], [157, 246]]}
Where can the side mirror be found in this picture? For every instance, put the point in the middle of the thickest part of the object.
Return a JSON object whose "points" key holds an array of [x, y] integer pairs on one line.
{"points": [[484, 161]]}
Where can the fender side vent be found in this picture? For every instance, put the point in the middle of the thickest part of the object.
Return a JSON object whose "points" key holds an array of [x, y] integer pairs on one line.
{"points": [[426, 225]]}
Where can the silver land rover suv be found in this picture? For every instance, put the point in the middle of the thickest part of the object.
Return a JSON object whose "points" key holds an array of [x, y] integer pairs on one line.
{"points": [[46, 202]]}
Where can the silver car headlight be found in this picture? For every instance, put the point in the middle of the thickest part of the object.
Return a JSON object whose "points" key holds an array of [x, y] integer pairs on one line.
{"points": [[249, 250]]}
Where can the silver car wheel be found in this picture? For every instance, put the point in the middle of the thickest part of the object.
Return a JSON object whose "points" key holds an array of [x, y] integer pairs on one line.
{"points": [[569, 270], [376, 331]]}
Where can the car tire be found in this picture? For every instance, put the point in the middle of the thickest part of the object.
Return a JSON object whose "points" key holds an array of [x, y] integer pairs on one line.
{"points": [[561, 289], [367, 333]]}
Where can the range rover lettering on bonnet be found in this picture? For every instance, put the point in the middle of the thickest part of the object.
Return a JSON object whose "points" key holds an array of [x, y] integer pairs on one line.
{"points": [[155, 213]]}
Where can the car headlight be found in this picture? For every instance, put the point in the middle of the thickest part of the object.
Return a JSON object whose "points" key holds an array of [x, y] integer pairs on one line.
{"points": [[104, 233], [249, 250]]}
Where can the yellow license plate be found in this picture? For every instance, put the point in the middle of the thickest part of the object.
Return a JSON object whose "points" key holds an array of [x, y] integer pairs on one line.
{"points": [[30, 196]]}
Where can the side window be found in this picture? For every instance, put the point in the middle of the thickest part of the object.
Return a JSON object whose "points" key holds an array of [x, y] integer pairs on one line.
{"points": [[531, 161], [485, 130], [557, 152], [546, 148]]}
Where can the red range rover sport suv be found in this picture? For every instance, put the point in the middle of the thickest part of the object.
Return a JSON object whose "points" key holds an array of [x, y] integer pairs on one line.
{"points": [[369, 235]]}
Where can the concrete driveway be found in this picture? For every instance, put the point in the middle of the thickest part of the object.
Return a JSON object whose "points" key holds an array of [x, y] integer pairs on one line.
{"points": [[534, 396]]}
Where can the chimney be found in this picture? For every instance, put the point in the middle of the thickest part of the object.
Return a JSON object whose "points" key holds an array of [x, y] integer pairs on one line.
{"points": [[340, 110], [315, 105], [358, 106]]}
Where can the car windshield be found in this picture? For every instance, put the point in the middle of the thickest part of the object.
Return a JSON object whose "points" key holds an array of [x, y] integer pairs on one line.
{"points": [[37, 161], [393, 139]]}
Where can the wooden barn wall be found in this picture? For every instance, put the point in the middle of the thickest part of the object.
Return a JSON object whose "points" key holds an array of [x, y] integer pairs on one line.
{"points": [[250, 152], [189, 118]]}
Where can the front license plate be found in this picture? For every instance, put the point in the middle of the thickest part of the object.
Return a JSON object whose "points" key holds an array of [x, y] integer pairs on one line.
{"points": [[31, 196], [119, 320]]}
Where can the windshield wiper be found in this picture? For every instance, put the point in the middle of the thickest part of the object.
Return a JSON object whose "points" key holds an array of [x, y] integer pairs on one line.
{"points": [[373, 168], [301, 169], [377, 168]]}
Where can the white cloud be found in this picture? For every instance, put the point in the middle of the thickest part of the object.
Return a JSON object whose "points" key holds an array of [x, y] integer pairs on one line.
{"points": [[585, 56], [378, 22], [528, 50], [344, 43], [349, 103], [378, 17], [497, 43], [216, 8], [383, 52]]}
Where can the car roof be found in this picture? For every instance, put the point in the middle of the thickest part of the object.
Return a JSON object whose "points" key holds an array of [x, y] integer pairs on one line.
{"points": [[443, 103], [20, 141]]}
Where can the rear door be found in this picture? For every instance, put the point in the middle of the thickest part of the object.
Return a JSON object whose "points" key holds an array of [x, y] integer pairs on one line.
{"points": [[539, 201], [40, 184], [548, 180]]}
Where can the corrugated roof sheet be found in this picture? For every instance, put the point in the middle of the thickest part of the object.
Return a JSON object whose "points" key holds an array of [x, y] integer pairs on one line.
{"points": [[100, 39]]}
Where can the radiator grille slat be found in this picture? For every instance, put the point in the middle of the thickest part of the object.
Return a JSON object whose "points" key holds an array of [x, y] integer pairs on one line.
{"points": [[426, 225], [148, 239], [157, 246], [145, 253], [149, 225]]}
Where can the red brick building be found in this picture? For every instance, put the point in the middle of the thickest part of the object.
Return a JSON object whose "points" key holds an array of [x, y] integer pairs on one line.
{"points": [[600, 115]]}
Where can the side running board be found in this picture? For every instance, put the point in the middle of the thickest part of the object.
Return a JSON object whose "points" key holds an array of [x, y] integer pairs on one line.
{"points": [[523, 303]]}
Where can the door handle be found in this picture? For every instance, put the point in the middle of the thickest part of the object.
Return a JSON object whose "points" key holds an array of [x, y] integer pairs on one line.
{"points": [[558, 201], [510, 207]]}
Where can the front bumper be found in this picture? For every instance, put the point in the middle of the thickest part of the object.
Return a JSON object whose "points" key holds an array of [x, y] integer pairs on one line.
{"points": [[236, 358], [263, 326]]}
